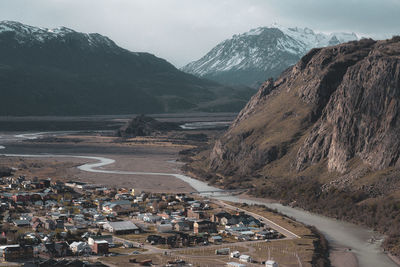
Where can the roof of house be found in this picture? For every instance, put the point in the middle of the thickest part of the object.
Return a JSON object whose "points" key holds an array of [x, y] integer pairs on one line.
{"points": [[123, 225], [204, 222], [101, 242], [21, 222]]}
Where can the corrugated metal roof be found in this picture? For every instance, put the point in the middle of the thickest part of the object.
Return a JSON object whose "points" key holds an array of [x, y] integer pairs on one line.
{"points": [[123, 225]]}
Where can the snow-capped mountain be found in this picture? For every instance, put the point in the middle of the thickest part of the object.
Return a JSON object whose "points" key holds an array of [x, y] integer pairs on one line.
{"points": [[30, 35], [254, 56]]}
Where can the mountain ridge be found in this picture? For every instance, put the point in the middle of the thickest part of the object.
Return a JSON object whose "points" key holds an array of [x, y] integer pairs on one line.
{"points": [[260, 53], [64, 72]]}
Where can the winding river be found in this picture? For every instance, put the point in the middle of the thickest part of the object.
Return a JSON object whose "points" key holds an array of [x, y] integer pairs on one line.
{"points": [[338, 233]]}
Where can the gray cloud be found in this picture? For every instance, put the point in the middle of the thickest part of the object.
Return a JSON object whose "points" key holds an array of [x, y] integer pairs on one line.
{"points": [[184, 30]]}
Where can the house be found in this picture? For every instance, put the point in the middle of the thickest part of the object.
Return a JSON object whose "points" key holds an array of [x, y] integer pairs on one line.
{"points": [[71, 228], [164, 227], [204, 227], [216, 217], [155, 239], [58, 249], [222, 251], [59, 224], [80, 248], [21, 223], [16, 252], [119, 206], [50, 225], [235, 254], [183, 226], [271, 263], [195, 214], [100, 247], [148, 217], [267, 234], [94, 238], [122, 227], [245, 258], [21, 197], [241, 218], [215, 239], [45, 183], [37, 225]]}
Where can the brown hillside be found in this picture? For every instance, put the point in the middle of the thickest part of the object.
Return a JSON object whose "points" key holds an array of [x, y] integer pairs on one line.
{"points": [[325, 134]]}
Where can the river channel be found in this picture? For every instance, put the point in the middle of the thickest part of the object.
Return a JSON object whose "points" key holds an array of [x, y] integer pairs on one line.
{"points": [[338, 233]]}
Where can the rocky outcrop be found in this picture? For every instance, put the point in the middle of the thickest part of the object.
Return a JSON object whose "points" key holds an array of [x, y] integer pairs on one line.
{"points": [[336, 104], [145, 126]]}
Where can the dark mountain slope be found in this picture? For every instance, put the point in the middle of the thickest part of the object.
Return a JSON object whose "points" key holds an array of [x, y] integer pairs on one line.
{"points": [[63, 72]]}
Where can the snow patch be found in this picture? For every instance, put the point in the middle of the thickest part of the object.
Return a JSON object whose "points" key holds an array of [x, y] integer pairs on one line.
{"points": [[29, 34], [256, 49]]}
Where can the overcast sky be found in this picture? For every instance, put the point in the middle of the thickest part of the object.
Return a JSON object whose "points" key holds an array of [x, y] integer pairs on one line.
{"points": [[184, 30]]}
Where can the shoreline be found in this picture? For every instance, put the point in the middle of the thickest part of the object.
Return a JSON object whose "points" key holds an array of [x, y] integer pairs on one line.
{"points": [[395, 259], [339, 256]]}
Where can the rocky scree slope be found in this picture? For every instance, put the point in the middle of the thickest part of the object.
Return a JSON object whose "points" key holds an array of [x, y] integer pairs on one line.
{"points": [[64, 72], [254, 56]]}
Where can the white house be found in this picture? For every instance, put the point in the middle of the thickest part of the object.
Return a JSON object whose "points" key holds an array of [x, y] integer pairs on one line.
{"points": [[80, 248], [245, 258], [122, 227], [92, 239], [235, 254], [271, 263]]}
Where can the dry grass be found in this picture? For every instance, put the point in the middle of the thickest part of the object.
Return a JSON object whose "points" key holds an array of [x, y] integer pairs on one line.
{"points": [[122, 250], [206, 251], [286, 252], [291, 225]]}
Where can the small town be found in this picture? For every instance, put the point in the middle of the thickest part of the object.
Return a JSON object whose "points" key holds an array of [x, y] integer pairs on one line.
{"points": [[78, 224]]}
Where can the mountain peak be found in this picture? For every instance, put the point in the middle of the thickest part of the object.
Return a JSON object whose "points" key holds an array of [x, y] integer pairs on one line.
{"points": [[252, 57], [26, 34]]}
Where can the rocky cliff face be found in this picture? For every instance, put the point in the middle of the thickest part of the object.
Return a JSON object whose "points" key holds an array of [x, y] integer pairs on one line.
{"points": [[335, 105], [361, 118], [325, 136]]}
